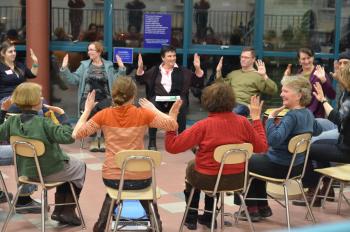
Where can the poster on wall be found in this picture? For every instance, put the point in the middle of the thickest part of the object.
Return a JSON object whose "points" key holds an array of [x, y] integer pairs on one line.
{"points": [[157, 30]]}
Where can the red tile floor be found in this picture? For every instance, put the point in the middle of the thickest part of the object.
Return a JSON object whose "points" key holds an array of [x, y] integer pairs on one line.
{"points": [[170, 178]]}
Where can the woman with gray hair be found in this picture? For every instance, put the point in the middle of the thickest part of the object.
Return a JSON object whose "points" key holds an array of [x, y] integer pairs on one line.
{"points": [[296, 95]]}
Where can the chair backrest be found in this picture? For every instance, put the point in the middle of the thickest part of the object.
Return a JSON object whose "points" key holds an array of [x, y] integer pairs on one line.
{"points": [[140, 161], [232, 154], [299, 144], [30, 148], [24, 146]]}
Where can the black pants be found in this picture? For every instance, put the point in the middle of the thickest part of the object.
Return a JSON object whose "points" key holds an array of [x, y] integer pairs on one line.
{"points": [[201, 181], [322, 152], [261, 164], [165, 107]]}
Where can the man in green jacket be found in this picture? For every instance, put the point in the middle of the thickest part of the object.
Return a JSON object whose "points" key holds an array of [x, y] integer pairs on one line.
{"points": [[247, 81]]}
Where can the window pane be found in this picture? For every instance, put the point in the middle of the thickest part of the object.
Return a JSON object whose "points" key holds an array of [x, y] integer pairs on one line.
{"points": [[78, 20], [345, 26], [128, 21], [12, 21], [309, 24], [230, 22]]}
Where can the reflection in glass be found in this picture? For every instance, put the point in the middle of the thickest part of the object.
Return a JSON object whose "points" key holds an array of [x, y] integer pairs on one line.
{"points": [[227, 22], [345, 26], [12, 21], [128, 22], [310, 24], [76, 20]]}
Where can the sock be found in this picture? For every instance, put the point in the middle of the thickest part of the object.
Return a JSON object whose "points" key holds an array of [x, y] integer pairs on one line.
{"points": [[252, 209]]}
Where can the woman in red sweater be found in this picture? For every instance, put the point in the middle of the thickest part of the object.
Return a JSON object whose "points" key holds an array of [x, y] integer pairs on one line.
{"points": [[221, 127]]}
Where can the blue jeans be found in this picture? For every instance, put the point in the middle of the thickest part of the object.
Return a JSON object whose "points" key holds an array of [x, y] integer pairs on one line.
{"points": [[6, 158], [329, 130], [241, 110]]}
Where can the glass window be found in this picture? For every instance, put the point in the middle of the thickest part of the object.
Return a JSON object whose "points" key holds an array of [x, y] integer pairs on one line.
{"points": [[78, 20], [13, 21], [345, 26], [230, 22], [309, 24], [128, 22]]}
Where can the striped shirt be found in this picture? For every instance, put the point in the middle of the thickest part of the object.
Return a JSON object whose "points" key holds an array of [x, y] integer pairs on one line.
{"points": [[124, 128]]}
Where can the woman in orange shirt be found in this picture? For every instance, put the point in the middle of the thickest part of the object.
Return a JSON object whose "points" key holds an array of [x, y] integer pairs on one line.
{"points": [[124, 126]]}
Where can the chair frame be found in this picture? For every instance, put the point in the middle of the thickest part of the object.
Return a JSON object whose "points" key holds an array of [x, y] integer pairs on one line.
{"points": [[123, 159], [4, 189], [341, 190], [297, 144], [225, 154], [34, 149]]}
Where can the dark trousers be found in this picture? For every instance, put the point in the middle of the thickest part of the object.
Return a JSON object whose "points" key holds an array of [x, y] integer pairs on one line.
{"points": [[207, 182], [261, 164], [165, 107], [323, 152]]}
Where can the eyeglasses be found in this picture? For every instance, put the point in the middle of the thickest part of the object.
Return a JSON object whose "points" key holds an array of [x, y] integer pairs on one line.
{"points": [[343, 62], [92, 50], [246, 57]]}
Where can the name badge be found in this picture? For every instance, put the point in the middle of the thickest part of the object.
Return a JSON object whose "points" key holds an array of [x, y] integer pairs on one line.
{"points": [[9, 72]]}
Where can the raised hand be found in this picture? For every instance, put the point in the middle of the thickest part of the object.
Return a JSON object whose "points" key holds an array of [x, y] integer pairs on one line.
{"points": [[255, 107], [119, 61], [260, 65], [336, 67], [90, 101], [319, 95], [196, 61], [288, 70], [65, 61], [144, 103], [6, 104], [175, 108], [54, 109], [275, 112], [33, 57], [219, 66], [320, 73]]}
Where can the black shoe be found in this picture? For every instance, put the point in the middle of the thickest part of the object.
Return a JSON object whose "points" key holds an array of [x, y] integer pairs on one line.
{"points": [[254, 216], [317, 202], [265, 212], [191, 225], [3, 198], [205, 219], [152, 145], [35, 210]]}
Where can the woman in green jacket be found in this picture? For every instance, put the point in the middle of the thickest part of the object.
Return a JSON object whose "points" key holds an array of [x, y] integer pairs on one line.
{"points": [[55, 164]]}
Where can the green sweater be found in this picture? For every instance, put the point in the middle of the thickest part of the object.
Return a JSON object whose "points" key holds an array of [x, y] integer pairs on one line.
{"points": [[45, 130], [247, 84]]}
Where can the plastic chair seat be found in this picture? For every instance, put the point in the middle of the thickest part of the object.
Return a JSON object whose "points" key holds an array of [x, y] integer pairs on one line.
{"points": [[340, 172], [27, 180]]}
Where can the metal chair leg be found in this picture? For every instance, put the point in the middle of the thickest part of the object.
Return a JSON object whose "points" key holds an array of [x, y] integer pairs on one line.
{"points": [[306, 202], [287, 205], [43, 206], [76, 200], [109, 215], [245, 196], [340, 198], [244, 206], [327, 192], [186, 210], [12, 208], [156, 223], [120, 207], [315, 195], [4, 188]]}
